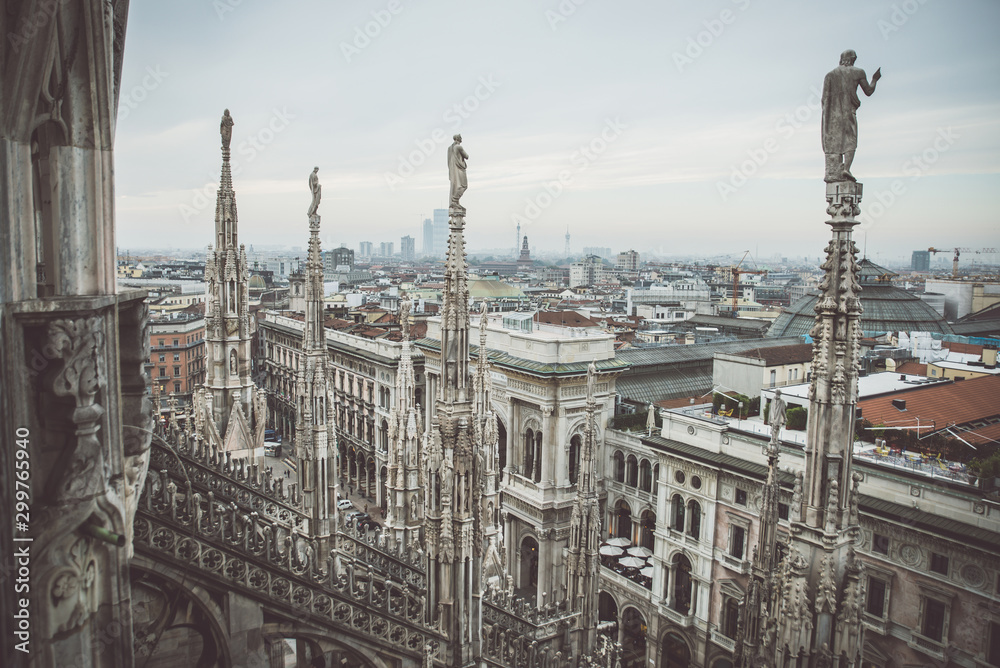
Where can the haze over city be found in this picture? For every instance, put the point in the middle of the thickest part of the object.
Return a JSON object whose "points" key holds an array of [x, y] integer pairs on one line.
{"points": [[676, 127]]}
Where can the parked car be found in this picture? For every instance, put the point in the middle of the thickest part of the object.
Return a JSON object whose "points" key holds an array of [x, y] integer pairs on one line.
{"points": [[344, 504], [369, 523]]}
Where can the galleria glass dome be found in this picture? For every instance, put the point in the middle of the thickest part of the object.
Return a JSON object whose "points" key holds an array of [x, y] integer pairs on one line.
{"points": [[886, 308]]}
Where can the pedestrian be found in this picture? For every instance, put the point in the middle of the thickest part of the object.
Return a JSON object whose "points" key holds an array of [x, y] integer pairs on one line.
{"points": [[366, 507]]}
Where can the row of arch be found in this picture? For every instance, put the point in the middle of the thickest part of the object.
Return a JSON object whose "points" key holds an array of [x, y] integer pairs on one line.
{"points": [[359, 469], [635, 473], [632, 628]]}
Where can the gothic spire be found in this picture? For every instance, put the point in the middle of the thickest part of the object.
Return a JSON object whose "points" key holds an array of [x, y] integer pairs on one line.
{"points": [[583, 559], [404, 512], [455, 459], [227, 318], [315, 432]]}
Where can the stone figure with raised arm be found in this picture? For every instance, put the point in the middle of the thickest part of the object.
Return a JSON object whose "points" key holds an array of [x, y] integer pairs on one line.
{"points": [[456, 172], [226, 129], [316, 189], [840, 121]]}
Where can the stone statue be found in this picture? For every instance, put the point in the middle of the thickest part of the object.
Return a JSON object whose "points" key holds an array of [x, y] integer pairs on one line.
{"points": [[840, 122], [776, 416], [317, 191], [226, 129], [456, 172]]}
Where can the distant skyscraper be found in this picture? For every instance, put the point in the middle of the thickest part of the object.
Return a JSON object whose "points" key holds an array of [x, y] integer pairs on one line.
{"points": [[365, 249], [428, 237], [440, 232], [567, 253], [408, 248], [386, 249], [921, 261], [517, 240]]}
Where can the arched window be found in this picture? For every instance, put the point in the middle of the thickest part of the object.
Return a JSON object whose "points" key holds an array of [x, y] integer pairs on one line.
{"points": [[682, 584], [645, 476], [574, 459], [674, 652], [529, 565], [529, 452], [633, 638], [538, 456], [631, 471], [384, 437], [619, 462], [677, 513], [656, 480], [501, 451], [623, 520], [648, 526], [694, 509]]}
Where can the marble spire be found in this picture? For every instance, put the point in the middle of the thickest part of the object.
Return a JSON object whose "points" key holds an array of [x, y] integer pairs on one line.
{"points": [[315, 431]]}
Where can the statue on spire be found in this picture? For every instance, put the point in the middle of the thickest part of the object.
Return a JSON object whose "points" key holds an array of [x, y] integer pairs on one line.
{"points": [[456, 172], [226, 129], [317, 191], [840, 121]]}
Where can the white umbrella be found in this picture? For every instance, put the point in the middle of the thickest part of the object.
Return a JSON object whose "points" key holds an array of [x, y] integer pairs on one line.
{"points": [[641, 552], [632, 562], [646, 572], [620, 542], [611, 551], [651, 419]]}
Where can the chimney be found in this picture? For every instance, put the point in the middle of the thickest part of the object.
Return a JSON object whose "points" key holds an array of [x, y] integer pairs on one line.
{"points": [[989, 357], [899, 404]]}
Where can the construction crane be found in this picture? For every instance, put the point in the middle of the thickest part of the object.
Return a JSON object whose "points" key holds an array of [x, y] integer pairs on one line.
{"points": [[958, 252], [736, 280]]}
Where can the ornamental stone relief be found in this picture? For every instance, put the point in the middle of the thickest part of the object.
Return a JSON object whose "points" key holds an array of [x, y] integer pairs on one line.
{"points": [[973, 575], [910, 555]]}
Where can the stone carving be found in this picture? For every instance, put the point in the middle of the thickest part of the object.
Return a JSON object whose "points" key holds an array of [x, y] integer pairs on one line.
{"points": [[796, 509], [826, 590], [456, 172], [832, 506], [776, 417], [317, 192], [839, 122], [73, 598], [909, 555], [854, 518], [226, 129]]}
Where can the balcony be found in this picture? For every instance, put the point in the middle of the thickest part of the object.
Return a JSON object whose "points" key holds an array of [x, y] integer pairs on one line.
{"points": [[642, 591], [685, 620], [723, 641], [515, 479], [928, 646], [874, 624], [733, 563]]}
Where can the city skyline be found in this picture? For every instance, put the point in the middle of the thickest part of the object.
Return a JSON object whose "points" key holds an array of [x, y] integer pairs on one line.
{"points": [[667, 122]]}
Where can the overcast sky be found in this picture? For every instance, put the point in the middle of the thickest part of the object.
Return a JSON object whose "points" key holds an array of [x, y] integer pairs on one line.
{"points": [[677, 127]]}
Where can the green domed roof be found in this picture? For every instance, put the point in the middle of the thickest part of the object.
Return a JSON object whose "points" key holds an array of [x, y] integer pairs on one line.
{"points": [[256, 283], [886, 308]]}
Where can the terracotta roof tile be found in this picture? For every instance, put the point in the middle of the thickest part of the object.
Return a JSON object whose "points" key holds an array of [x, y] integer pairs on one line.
{"points": [[940, 404], [912, 369]]}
